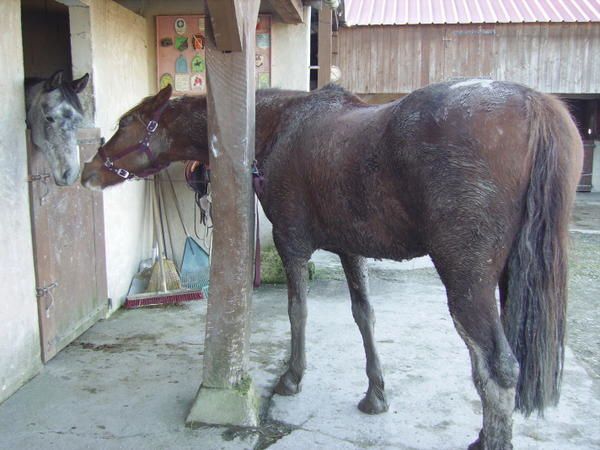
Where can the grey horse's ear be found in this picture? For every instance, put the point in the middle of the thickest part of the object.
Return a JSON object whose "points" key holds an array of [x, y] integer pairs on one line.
{"points": [[54, 81], [79, 85], [163, 96]]}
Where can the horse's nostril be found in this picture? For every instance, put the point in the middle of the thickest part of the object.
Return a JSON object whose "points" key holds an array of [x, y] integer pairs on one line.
{"points": [[67, 175]]}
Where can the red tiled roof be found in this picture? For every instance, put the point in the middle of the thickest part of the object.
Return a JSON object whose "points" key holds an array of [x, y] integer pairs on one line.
{"points": [[408, 12]]}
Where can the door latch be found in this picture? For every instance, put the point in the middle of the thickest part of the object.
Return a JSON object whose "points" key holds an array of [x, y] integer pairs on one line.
{"points": [[43, 178], [46, 291]]}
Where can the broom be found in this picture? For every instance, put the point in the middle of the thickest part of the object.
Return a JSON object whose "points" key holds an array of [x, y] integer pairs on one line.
{"points": [[162, 271], [195, 263]]}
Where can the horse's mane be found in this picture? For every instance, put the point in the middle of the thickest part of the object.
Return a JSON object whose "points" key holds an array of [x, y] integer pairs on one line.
{"points": [[328, 92]]}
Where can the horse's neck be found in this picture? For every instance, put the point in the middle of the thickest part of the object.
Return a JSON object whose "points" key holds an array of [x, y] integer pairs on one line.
{"points": [[270, 104], [187, 130]]}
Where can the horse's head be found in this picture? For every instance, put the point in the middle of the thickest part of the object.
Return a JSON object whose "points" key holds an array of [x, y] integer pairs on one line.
{"points": [[137, 147], [53, 114]]}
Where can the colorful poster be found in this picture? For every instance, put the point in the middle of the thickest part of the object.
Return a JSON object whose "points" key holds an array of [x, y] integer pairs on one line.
{"points": [[181, 54]]}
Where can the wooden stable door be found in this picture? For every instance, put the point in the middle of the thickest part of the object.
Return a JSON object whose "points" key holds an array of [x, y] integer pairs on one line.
{"points": [[68, 241]]}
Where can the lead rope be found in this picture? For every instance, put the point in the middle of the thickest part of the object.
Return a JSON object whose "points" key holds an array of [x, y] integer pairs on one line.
{"points": [[257, 252], [258, 181]]}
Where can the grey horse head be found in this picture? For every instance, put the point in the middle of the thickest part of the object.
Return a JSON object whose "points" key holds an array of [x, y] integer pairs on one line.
{"points": [[54, 113]]}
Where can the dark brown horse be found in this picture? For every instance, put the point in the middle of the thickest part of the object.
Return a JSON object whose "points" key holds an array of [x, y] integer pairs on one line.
{"points": [[480, 175]]}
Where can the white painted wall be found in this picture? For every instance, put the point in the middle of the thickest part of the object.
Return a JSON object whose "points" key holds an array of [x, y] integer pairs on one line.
{"points": [[291, 54], [120, 80], [19, 331]]}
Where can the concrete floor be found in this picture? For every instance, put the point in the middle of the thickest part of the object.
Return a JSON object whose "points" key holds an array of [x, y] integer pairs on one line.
{"points": [[128, 382]]}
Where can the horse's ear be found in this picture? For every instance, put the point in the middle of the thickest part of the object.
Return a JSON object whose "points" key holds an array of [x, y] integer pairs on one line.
{"points": [[54, 81], [163, 96], [79, 85]]}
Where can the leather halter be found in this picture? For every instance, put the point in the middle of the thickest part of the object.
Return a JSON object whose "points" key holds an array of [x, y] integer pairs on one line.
{"points": [[143, 146]]}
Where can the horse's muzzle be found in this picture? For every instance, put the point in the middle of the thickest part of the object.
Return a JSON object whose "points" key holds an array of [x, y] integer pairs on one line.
{"points": [[90, 178]]}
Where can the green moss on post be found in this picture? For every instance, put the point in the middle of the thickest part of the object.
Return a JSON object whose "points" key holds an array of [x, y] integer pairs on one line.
{"points": [[237, 406]]}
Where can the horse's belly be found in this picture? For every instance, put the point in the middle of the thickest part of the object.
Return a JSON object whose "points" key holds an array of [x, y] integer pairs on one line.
{"points": [[372, 239]]}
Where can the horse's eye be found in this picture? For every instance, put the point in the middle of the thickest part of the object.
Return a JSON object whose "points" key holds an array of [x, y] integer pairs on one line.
{"points": [[50, 119]]}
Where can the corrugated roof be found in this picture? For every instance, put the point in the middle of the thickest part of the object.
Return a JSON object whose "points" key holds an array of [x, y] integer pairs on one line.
{"points": [[409, 12]]}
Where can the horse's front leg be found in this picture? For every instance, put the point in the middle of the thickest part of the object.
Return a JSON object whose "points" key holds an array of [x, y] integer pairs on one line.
{"points": [[297, 274], [355, 267]]}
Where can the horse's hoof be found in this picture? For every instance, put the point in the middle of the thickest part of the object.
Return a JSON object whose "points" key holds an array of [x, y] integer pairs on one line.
{"points": [[475, 445], [286, 386], [478, 444], [373, 404]]}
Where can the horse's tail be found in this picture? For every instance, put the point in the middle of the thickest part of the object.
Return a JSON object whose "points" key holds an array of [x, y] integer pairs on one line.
{"points": [[533, 314]]}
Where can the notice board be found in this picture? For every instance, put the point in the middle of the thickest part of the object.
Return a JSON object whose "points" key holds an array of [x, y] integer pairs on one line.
{"points": [[181, 57]]}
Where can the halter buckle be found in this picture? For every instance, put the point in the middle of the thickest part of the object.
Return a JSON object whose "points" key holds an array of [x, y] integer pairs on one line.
{"points": [[122, 173], [152, 126]]}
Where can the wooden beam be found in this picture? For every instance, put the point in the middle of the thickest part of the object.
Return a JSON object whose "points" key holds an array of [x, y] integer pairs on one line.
{"points": [[226, 396], [290, 11], [324, 47], [226, 21]]}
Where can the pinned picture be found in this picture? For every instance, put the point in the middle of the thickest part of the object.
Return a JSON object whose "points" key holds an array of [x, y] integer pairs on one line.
{"points": [[263, 40], [262, 24], [181, 43], [182, 82], [180, 25], [198, 42], [181, 65], [166, 42], [198, 64], [201, 24], [197, 82], [165, 80], [259, 60], [264, 80]]}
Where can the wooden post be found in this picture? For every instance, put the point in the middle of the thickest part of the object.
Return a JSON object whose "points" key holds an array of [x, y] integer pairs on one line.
{"points": [[226, 396], [290, 11], [324, 48]]}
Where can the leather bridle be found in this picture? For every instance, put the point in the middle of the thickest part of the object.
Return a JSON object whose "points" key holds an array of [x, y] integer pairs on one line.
{"points": [[143, 146]]}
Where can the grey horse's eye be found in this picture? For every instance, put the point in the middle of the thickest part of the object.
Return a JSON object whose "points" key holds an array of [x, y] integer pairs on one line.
{"points": [[50, 119]]}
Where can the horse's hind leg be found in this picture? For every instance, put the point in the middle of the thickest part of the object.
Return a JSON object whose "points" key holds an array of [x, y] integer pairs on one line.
{"points": [[495, 370], [297, 274], [355, 268]]}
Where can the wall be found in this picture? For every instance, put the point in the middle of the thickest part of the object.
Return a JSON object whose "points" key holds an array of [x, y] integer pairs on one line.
{"points": [[120, 81], [290, 43], [291, 54], [19, 332], [557, 58]]}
